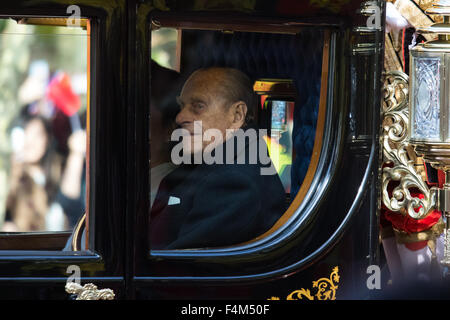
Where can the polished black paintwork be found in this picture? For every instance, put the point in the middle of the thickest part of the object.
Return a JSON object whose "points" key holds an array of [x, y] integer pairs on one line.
{"points": [[339, 225]]}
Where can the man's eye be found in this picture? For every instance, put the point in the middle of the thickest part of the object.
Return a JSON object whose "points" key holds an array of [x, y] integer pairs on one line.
{"points": [[199, 106]]}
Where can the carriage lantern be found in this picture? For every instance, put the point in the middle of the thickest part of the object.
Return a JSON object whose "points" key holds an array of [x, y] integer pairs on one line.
{"points": [[429, 109]]}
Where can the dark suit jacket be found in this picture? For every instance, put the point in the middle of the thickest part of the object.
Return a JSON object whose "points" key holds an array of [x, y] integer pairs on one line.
{"points": [[215, 205]]}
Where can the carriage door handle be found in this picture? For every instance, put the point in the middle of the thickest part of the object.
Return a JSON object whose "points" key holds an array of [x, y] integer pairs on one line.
{"points": [[88, 292]]}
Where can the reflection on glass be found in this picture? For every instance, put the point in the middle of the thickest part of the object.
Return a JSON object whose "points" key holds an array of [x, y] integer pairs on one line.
{"points": [[280, 145], [164, 47], [426, 98], [43, 102]]}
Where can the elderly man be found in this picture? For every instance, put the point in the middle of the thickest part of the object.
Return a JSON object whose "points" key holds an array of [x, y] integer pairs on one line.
{"points": [[221, 203]]}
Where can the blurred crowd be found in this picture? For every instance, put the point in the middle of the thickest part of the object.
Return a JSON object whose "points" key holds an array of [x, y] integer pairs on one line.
{"points": [[46, 187]]}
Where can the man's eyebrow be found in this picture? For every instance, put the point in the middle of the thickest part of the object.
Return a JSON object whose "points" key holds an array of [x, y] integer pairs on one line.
{"points": [[196, 99], [191, 100]]}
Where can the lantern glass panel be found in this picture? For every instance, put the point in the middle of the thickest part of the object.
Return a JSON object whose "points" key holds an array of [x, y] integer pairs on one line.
{"points": [[426, 99]]}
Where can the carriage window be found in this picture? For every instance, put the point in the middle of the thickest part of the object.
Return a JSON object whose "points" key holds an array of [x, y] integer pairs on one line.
{"points": [[43, 103], [232, 131]]}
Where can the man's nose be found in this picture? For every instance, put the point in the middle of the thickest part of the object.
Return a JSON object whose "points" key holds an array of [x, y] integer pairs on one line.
{"points": [[183, 117]]}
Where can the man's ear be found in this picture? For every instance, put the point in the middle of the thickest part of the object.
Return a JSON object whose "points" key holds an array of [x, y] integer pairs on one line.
{"points": [[239, 114]]}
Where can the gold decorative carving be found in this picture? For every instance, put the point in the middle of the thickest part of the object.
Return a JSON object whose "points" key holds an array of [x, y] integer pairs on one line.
{"points": [[326, 289], [399, 156], [89, 292]]}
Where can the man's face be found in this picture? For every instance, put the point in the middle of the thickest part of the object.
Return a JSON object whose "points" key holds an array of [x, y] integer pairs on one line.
{"points": [[203, 105]]}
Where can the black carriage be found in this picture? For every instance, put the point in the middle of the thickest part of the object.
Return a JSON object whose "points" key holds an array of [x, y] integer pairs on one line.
{"points": [[317, 63]]}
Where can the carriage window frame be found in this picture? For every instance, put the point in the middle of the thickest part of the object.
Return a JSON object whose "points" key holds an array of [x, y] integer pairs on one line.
{"points": [[91, 94], [288, 222]]}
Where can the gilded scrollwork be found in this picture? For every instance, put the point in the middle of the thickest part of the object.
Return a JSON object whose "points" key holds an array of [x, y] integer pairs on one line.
{"points": [[326, 289], [89, 292], [399, 157]]}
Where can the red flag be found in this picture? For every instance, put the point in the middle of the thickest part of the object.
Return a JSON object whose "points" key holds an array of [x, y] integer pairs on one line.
{"points": [[60, 92]]}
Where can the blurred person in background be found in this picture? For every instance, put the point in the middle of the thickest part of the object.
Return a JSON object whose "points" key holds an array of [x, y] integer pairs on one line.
{"points": [[70, 200], [48, 100], [34, 178]]}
